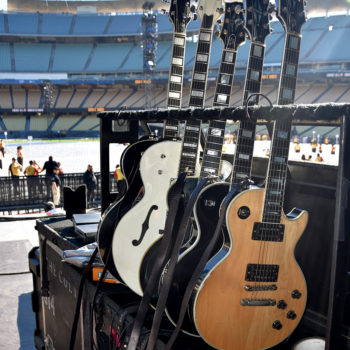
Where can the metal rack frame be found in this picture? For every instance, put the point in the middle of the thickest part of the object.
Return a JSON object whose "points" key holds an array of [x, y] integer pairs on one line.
{"points": [[324, 114]]}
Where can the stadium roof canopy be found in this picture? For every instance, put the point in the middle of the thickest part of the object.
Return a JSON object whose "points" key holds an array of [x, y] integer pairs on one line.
{"points": [[110, 6]]}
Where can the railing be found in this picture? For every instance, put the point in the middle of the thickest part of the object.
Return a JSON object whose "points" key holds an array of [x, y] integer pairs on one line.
{"points": [[33, 191]]}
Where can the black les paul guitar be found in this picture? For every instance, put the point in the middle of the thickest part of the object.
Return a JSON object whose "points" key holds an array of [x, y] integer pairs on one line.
{"points": [[232, 35], [180, 16]]}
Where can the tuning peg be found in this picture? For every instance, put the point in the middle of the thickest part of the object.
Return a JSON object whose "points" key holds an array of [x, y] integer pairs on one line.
{"points": [[164, 12], [217, 33], [166, 1], [195, 17], [220, 10], [219, 21], [193, 9]]}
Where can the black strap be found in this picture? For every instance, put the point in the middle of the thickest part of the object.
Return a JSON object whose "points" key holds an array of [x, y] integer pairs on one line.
{"points": [[167, 280], [164, 251], [200, 266], [80, 294]]}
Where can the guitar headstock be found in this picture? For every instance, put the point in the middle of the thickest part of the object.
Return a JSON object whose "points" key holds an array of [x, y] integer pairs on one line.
{"points": [[232, 31], [291, 13], [209, 12], [258, 19], [180, 14]]}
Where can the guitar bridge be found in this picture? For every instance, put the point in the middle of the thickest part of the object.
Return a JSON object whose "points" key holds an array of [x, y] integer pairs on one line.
{"points": [[260, 288], [258, 302]]}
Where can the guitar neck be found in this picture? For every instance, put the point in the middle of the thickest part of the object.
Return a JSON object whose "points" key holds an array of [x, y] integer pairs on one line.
{"points": [[197, 96], [171, 127], [216, 130], [242, 163], [278, 165]]}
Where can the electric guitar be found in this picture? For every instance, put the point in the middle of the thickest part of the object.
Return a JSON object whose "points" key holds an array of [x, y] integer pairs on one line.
{"points": [[136, 235], [180, 16], [257, 292], [232, 35]]}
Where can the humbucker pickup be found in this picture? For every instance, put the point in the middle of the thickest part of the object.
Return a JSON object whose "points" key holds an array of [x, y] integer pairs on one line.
{"points": [[258, 302], [262, 273], [268, 231]]}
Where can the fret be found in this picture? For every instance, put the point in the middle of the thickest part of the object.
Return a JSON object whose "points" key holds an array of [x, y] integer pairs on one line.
{"points": [[171, 128], [289, 69], [198, 90], [175, 87], [176, 70], [254, 71]]}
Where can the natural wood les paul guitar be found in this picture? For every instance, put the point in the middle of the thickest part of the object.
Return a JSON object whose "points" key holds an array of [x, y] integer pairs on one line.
{"points": [[255, 297]]}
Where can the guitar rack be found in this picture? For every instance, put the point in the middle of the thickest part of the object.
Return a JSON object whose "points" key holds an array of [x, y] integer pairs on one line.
{"points": [[327, 317]]}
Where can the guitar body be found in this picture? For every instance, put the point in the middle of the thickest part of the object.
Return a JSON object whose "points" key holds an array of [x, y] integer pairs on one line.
{"points": [[276, 304], [142, 225], [206, 214], [130, 163]]}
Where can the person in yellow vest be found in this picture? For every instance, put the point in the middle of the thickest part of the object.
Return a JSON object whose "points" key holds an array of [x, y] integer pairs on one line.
{"points": [[14, 170], [30, 172], [333, 149], [313, 147], [121, 183], [297, 148]]}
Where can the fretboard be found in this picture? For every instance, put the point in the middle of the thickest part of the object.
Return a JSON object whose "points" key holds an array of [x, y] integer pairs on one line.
{"points": [[171, 127], [242, 163], [278, 165], [197, 96], [216, 130]]}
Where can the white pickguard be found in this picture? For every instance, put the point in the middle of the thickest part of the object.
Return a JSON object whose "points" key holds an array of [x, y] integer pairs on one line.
{"points": [[158, 167]]}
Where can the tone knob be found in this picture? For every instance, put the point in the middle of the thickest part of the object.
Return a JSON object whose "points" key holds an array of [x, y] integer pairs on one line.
{"points": [[243, 212], [296, 294], [291, 315], [277, 325], [282, 304]]}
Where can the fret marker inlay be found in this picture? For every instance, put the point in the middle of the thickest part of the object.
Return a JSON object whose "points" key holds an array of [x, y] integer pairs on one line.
{"points": [[199, 76]]}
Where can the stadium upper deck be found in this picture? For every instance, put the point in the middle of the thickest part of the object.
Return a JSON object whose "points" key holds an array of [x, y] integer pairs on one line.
{"points": [[106, 48]]}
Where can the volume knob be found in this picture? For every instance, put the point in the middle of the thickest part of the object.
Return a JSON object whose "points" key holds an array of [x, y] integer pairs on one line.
{"points": [[291, 315], [282, 304], [277, 325], [296, 294]]}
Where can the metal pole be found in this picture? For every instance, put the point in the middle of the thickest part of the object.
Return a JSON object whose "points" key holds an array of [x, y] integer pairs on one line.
{"points": [[339, 285]]}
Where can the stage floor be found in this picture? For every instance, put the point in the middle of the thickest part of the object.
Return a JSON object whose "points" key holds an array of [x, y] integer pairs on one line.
{"points": [[16, 316]]}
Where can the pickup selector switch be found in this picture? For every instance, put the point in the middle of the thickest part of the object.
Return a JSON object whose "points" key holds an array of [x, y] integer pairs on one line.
{"points": [[277, 325], [282, 304], [296, 294], [291, 315]]}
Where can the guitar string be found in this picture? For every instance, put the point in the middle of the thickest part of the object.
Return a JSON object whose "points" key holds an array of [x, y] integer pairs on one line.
{"points": [[281, 148]]}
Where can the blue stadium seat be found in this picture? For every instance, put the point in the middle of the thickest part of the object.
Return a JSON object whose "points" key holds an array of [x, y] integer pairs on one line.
{"points": [[309, 36], [274, 48], [90, 24], [109, 57], [163, 55], [331, 47], [23, 23], [2, 23], [5, 57], [32, 57], [135, 61], [164, 24], [71, 57], [58, 24], [125, 25]]}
